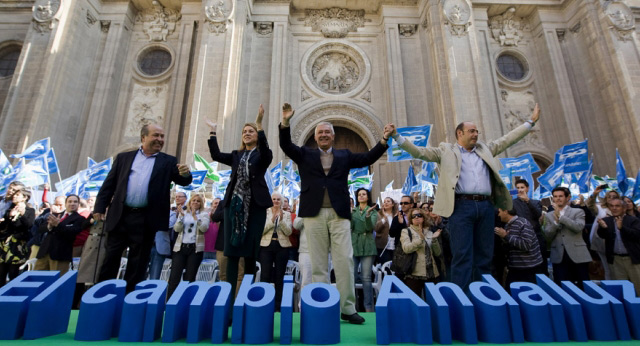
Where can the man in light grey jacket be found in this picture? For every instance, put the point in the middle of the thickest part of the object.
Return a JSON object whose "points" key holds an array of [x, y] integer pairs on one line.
{"points": [[469, 190], [563, 227]]}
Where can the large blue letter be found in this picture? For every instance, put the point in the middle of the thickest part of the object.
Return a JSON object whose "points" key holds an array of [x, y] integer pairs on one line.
{"points": [[571, 308], [495, 307], [50, 310], [286, 311], [15, 297], [253, 313], [452, 313], [198, 310], [143, 311], [395, 300], [603, 314], [102, 302], [623, 290], [320, 314], [542, 316]]}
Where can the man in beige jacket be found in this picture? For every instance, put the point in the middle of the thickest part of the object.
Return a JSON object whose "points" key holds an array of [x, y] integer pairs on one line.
{"points": [[469, 190]]}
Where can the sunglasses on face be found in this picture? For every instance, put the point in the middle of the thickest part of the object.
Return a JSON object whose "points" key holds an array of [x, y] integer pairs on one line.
{"points": [[417, 216], [405, 203]]}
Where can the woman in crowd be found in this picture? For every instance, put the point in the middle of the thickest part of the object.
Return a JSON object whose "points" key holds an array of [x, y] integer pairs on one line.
{"points": [[274, 246], [14, 234], [363, 220], [385, 244], [630, 206], [189, 247], [426, 244], [600, 211], [247, 196]]}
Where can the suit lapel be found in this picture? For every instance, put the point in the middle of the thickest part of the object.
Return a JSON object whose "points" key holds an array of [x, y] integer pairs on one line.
{"points": [[129, 162], [337, 156], [316, 159], [156, 167]]}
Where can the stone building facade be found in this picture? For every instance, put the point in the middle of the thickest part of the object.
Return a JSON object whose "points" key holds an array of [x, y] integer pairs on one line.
{"points": [[88, 73]]}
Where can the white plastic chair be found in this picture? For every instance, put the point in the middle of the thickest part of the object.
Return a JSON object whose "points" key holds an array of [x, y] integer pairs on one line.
{"points": [[293, 268], [123, 268], [386, 268], [377, 280], [166, 269], [75, 263], [258, 272], [206, 270]]}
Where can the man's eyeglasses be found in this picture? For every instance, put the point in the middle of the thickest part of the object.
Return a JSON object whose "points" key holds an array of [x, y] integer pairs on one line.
{"points": [[405, 203], [415, 216], [472, 131]]}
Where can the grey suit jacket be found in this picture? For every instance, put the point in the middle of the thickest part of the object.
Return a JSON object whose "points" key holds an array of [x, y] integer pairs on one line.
{"points": [[448, 157], [566, 234]]}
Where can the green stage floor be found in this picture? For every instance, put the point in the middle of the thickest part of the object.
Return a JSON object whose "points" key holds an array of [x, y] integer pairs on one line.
{"points": [[349, 335]]}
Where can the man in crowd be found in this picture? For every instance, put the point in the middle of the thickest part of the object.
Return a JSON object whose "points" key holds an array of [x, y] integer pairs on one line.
{"points": [[531, 209], [563, 227], [324, 204], [621, 234], [469, 189], [56, 209], [5, 203], [137, 208], [524, 251], [162, 243], [401, 221]]}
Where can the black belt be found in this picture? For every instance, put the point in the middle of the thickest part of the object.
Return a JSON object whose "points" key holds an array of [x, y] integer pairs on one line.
{"points": [[622, 255], [472, 197], [134, 209], [188, 244]]}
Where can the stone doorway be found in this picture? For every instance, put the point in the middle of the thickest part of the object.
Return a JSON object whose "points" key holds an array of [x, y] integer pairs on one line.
{"points": [[345, 139]]}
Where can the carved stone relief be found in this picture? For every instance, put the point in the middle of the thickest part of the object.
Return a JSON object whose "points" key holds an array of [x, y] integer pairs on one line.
{"points": [[263, 28], [457, 14], [507, 28], [366, 96], [335, 69], [159, 22], [147, 106], [91, 19], [304, 95], [407, 30], [44, 12], [218, 15], [340, 115], [104, 25], [334, 22], [621, 19], [518, 106]]}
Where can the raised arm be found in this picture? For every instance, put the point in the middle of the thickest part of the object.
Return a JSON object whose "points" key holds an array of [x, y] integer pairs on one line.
{"points": [[427, 153], [501, 144], [214, 149], [266, 156], [293, 151]]}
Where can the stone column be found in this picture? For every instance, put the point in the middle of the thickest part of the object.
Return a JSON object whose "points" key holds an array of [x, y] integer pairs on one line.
{"points": [[279, 85]]}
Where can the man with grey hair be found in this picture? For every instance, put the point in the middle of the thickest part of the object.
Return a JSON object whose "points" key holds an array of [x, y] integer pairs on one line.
{"points": [[324, 204], [138, 208]]}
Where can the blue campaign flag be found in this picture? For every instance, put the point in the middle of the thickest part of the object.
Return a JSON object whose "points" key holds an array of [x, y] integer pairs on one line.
{"points": [[290, 173], [67, 186], [520, 164], [428, 173], [34, 150], [621, 174], [358, 172], [5, 165], [291, 190], [410, 182], [528, 176], [52, 162], [418, 135], [575, 157], [99, 171], [636, 188], [507, 178], [585, 177], [276, 175], [34, 173], [552, 177], [389, 186], [90, 162], [197, 182]]}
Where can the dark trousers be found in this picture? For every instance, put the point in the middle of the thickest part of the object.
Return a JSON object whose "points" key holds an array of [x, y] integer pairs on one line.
{"points": [[186, 259], [522, 275], [567, 270], [417, 285], [471, 229], [274, 253], [6, 268], [130, 232]]}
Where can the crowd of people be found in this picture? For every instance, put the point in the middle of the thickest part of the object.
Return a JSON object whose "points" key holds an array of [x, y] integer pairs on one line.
{"points": [[472, 227]]}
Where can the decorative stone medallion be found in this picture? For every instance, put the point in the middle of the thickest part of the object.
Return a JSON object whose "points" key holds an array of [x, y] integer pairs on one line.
{"points": [[158, 22], [335, 68], [44, 12], [334, 22], [621, 19], [458, 14], [218, 14]]}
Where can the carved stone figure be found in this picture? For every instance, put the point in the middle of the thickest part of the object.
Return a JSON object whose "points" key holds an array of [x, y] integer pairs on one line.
{"points": [[334, 22], [335, 72], [304, 95], [218, 15], [263, 28], [507, 28], [407, 30], [159, 22], [44, 12], [518, 109], [621, 19], [147, 106], [458, 15]]}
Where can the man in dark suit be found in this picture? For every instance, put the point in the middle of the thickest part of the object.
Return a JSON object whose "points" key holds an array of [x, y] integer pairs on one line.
{"points": [[621, 234], [324, 204], [137, 193]]}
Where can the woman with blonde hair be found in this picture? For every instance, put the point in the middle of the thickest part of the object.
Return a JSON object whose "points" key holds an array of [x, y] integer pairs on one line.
{"points": [[191, 224], [384, 243], [274, 246], [247, 197], [419, 238]]}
